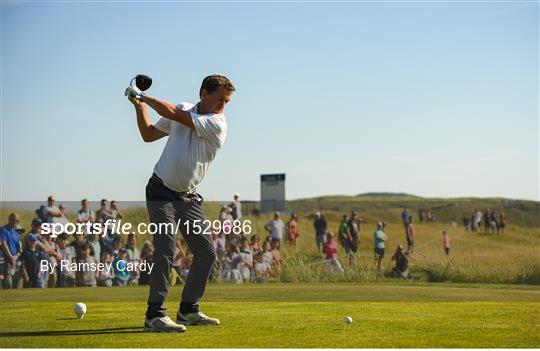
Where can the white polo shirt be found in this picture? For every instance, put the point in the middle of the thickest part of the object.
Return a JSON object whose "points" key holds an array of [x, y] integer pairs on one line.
{"points": [[188, 153]]}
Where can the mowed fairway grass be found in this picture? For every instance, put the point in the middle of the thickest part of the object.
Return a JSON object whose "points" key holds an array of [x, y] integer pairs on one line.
{"points": [[283, 315]]}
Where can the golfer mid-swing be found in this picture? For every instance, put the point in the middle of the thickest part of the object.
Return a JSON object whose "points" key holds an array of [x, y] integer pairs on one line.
{"points": [[196, 133]]}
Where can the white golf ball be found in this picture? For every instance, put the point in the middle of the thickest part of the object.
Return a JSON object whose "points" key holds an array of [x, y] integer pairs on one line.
{"points": [[348, 320], [80, 309]]}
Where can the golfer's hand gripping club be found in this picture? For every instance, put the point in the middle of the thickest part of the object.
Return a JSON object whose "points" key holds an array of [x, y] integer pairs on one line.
{"points": [[133, 92]]}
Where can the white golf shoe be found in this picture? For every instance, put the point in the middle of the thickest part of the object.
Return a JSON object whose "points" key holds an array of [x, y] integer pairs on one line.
{"points": [[197, 318], [163, 325]]}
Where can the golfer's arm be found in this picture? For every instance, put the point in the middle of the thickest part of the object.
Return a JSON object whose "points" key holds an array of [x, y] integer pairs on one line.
{"points": [[149, 133], [169, 111]]}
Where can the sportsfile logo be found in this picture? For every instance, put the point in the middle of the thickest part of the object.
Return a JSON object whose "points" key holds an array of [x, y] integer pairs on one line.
{"points": [[125, 228]]}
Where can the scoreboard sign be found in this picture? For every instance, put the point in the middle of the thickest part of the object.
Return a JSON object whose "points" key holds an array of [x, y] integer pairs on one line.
{"points": [[272, 192]]}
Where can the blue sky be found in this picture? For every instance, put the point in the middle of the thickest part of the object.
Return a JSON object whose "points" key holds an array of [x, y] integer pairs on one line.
{"points": [[433, 99]]}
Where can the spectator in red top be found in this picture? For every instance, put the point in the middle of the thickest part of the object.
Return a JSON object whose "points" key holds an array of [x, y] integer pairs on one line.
{"points": [[331, 254], [292, 230]]}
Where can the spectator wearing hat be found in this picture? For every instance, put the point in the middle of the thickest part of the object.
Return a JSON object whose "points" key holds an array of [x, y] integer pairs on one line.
{"points": [[320, 226], [11, 247], [30, 263], [47, 247], [275, 227]]}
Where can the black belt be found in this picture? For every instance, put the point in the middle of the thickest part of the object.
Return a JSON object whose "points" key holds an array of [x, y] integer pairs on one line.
{"points": [[157, 179]]}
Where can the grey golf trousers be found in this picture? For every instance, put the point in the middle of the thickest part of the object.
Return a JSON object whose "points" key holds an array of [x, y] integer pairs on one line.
{"points": [[167, 206]]}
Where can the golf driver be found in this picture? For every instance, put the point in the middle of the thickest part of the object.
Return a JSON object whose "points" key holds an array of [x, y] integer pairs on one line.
{"points": [[142, 83]]}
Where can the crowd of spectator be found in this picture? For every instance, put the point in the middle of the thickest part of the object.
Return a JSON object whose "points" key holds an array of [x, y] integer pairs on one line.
{"points": [[490, 221], [21, 255], [240, 258]]}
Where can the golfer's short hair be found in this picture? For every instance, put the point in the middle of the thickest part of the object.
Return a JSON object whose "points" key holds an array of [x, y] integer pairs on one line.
{"points": [[211, 83]]}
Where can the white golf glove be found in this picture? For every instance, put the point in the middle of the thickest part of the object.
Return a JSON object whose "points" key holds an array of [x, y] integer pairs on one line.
{"points": [[133, 92]]}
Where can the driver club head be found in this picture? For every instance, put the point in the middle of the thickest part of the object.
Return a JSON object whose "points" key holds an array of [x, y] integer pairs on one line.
{"points": [[143, 82]]}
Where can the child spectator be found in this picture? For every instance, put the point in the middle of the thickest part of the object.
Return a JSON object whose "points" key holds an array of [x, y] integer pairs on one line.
{"points": [[185, 265], [89, 277], [331, 254], [219, 244], [276, 256], [446, 242], [118, 245], [30, 267], [133, 256], [230, 272], [146, 257], [255, 245], [121, 274], [247, 263], [77, 244], [262, 269], [95, 247], [267, 252], [66, 277], [176, 272], [401, 257], [106, 276]]}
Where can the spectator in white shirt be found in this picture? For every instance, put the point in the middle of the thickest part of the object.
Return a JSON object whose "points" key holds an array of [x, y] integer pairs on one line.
{"points": [[275, 227], [85, 214], [51, 211]]}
